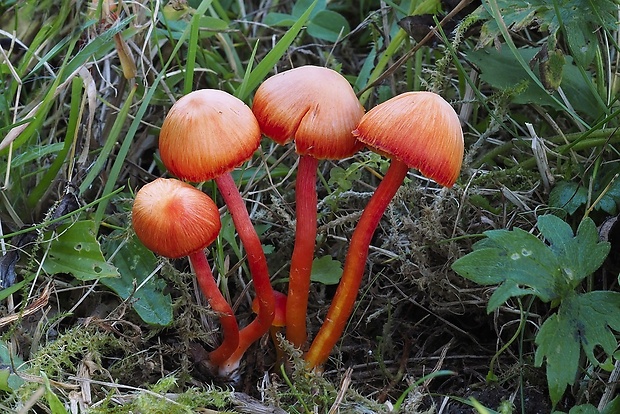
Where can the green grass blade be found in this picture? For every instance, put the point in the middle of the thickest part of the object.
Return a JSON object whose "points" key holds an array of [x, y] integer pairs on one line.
{"points": [[133, 128], [52, 171], [111, 140], [271, 59]]}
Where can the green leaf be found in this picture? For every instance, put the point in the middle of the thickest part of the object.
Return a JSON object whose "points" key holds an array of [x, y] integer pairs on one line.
{"points": [[568, 196], [561, 353], [279, 19], [501, 70], [605, 189], [427, 7], [344, 178], [578, 256], [523, 264], [583, 321], [56, 406], [613, 407], [505, 291], [302, 6], [9, 381], [584, 409], [515, 257], [326, 270], [271, 59], [580, 27], [136, 265], [77, 251], [328, 25], [210, 23]]}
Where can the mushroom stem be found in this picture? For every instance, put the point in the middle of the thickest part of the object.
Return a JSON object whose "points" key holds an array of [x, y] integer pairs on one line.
{"points": [[344, 299], [303, 252], [230, 329], [258, 268]]}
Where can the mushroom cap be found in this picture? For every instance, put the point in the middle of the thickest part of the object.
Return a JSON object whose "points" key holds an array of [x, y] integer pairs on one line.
{"points": [[207, 133], [420, 129], [313, 105], [279, 318], [174, 219]]}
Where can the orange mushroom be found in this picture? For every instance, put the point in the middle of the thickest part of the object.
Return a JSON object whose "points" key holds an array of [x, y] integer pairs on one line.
{"points": [[417, 130], [205, 135], [174, 219], [279, 322], [317, 108]]}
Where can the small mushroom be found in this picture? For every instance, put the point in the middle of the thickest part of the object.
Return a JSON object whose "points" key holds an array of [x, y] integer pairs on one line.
{"points": [[206, 134], [174, 219], [317, 108], [416, 130], [279, 322]]}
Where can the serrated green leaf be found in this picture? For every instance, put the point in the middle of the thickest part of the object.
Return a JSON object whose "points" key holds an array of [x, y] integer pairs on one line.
{"points": [[571, 196], [505, 291], [519, 14], [522, 264], [583, 321], [135, 264], [77, 251], [326, 270], [561, 353], [578, 256], [596, 314], [514, 256]]}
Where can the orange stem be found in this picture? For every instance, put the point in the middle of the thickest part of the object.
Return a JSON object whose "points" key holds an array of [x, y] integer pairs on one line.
{"points": [[230, 329], [355, 262], [303, 252], [258, 268]]}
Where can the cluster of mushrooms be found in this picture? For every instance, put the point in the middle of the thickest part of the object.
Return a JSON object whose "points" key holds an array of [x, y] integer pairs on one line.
{"points": [[207, 133]]}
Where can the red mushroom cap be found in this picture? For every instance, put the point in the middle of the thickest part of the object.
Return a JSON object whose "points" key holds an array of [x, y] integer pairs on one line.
{"points": [[279, 318], [206, 134], [313, 105], [419, 128], [174, 219]]}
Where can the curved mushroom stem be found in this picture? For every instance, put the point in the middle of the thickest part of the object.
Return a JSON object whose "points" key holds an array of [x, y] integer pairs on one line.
{"points": [[303, 252], [355, 262], [258, 268], [230, 328]]}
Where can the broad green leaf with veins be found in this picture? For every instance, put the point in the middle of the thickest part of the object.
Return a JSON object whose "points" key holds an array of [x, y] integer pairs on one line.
{"points": [[517, 260], [523, 264], [136, 265], [76, 250], [582, 321], [578, 256]]}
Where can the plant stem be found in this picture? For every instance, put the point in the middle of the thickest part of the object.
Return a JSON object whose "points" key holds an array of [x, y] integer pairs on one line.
{"points": [[303, 252], [258, 268], [209, 288], [355, 263]]}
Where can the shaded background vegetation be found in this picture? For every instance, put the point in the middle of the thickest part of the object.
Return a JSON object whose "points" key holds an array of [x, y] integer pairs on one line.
{"points": [[85, 90]]}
